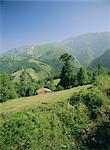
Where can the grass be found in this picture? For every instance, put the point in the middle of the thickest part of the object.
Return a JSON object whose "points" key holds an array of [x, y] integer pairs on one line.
{"points": [[34, 101]]}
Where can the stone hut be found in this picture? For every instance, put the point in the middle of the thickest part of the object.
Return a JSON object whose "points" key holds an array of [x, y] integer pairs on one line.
{"points": [[43, 91]]}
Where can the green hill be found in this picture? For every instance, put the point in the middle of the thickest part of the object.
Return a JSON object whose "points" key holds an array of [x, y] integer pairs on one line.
{"points": [[14, 65], [103, 60], [40, 75]]}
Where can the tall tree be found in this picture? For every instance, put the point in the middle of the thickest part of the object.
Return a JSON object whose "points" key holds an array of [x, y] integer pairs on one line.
{"points": [[66, 73], [7, 88], [98, 71], [27, 87], [82, 76]]}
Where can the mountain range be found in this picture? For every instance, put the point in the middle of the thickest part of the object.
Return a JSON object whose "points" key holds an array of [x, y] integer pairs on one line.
{"points": [[42, 60]]}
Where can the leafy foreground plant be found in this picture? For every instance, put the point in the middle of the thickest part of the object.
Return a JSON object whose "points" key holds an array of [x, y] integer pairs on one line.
{"points": [[96, 101], [38, 129]]}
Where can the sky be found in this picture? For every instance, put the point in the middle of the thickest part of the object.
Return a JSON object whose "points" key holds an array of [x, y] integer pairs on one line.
{"points": [[27, 22]]}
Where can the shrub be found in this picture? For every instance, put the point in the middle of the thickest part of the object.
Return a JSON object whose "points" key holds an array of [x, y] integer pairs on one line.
{"points": [[103, 82], [93, 100], [76, 98], [108, 92]]}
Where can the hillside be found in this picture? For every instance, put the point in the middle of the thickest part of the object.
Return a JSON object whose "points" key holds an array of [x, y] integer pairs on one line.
{"points": [[85, 48], [40, 75], [103, 60], [14, 65], [65, 120], [33, 101], [88, 46], [40, 61]]}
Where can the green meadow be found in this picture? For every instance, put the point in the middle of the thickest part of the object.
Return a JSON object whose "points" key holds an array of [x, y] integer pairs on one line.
{"points": [[33, 101]]}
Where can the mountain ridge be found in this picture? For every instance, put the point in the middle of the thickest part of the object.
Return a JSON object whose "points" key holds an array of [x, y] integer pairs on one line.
{"points": [[85, 47], [88, 46], [30, 47], [103, 60]]}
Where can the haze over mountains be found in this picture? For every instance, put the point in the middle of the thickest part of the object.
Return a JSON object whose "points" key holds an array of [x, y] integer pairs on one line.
{"points": [[86, 45], [85, 50]]}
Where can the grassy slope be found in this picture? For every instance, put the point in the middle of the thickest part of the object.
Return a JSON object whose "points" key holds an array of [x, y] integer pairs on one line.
{"points": [[40, 75], [33, 101]]}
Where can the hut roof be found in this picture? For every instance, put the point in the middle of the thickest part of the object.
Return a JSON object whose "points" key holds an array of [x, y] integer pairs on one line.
{"points": [[43, 90]]}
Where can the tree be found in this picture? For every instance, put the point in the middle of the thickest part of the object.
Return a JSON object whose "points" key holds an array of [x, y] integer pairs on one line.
{"points": [[30, 90], [7, 88], [66, 73], [100, 70], [26, 85], [82, 76]]}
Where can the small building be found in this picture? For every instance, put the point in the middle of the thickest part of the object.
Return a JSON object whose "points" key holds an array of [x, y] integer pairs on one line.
{"points": [[43, 91]]}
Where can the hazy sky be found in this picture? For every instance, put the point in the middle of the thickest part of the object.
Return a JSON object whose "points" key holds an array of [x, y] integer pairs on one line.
{"points": [[34, 22]]}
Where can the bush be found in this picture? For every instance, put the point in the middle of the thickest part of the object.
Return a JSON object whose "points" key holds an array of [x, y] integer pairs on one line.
{"points": [[108, 92], [39, 128], [76, 98], [93, 100], [59, 88], [7, 88], [103, 82]]}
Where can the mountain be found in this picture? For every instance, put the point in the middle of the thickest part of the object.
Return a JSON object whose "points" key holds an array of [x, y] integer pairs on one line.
{"points": [[34, 50], [103, 60], [88, 46], [52, 57], [40, 61], [84, 49], [18, 51]]}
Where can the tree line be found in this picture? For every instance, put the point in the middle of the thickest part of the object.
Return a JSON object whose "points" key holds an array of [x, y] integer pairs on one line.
{"points": [[84, 76]]}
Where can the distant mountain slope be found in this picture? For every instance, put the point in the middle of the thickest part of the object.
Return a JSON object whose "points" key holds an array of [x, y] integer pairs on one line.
{"points": [[84, 48], [103, 60], [88, 46], [34, 50], [52, 57], [40, 59], [14, 63]]}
